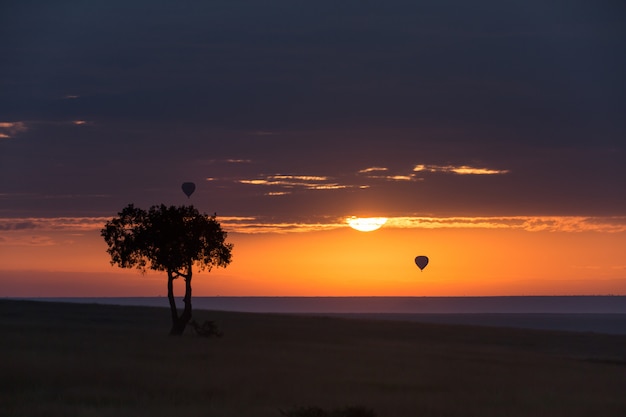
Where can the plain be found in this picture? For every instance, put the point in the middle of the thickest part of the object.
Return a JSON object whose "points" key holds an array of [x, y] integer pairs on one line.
{"points": [[89, 360]]}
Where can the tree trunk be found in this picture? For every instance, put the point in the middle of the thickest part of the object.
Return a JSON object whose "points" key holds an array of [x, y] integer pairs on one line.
{"points": [[186, 316], [173, 311], [179, 323]]}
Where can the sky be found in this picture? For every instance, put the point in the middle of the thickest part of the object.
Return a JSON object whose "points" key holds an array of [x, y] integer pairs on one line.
{"points": [[491, 135]]}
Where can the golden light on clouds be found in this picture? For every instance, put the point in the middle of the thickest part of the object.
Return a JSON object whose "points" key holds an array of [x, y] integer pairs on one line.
{"points": [[381, 173], [299, 177], [400, 177], [616, 224], [254, 225], [12, 125], [308, 182], [466, 170], [10, 129], [395, 177], [284, 184], [373, 169], [461, 170], [255, 182]]}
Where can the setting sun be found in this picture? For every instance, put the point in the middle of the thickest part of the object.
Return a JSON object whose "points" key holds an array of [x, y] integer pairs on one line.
{"points": [[366, 224]]}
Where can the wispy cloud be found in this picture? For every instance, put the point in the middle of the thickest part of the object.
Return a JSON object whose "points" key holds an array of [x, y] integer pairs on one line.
{"points": [[45, 231], [373, 169], [395, 177], [14, 227], [527, 223], [401, 178], [300, 177], [67, 224], [382, 173], [10, 129], [290, 182], [29, 240], [372, 176], [255, 225], [460, 170], [568, 224], [238, 161]]}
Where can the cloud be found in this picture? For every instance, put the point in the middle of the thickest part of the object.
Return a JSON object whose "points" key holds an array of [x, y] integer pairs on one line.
{"points": [[373, 169], [395, 177], [527, 223], [300, 177], [400, 177], [67, 224], [15, 227], [238, 161], [10, 129], [381, 173], [255, 225], [567, 224], [284, 184], [460, 170], [307, 182]]}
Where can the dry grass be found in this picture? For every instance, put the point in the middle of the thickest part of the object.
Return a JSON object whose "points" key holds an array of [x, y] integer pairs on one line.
{"points": [[94, 360]]}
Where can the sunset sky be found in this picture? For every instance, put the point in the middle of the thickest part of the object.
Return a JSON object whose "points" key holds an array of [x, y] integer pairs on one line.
{"points": [[490, 134]]}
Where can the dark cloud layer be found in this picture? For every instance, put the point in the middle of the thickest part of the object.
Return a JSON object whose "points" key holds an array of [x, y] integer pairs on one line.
{"points": [[121, 101]]}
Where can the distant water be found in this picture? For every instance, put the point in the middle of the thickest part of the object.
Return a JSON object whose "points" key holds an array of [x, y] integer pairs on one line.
{"points": [[396, 305], [603, 314]]}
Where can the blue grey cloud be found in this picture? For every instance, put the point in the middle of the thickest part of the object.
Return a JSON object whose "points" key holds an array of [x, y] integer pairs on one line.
{"points": [[531, 87]]}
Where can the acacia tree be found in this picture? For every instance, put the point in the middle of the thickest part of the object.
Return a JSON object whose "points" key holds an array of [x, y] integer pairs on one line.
{"points": [[170, 239]]}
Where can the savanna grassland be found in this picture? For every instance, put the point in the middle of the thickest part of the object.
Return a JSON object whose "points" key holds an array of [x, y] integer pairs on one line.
{"points": [[60, 360]]}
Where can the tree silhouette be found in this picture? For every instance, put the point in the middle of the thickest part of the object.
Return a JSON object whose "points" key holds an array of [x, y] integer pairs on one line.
{"points": [[170, 239]]}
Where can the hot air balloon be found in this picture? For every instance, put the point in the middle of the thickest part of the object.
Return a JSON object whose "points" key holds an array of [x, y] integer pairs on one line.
{"points": [[188, 188], [421, 262]]}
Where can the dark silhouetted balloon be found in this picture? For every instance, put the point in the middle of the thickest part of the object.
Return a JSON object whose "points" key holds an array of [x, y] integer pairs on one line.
{"points": [[421, 262], [188, 188]]}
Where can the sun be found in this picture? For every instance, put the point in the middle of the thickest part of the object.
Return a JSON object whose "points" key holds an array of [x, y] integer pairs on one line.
{"points": [[366, 224]]}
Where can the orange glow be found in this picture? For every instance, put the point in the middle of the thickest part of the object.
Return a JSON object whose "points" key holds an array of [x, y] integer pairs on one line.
{"points": [[462, 262], [336, 262]]}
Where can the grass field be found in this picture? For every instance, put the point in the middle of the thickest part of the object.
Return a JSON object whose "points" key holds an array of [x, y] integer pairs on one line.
{"points": [[96, 360]]}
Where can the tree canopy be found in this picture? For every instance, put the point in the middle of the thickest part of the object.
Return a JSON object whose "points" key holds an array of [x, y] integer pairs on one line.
{"points": [[166, 239]]}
